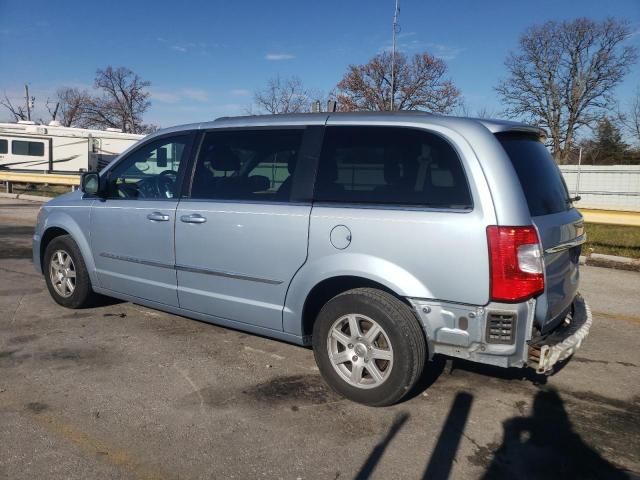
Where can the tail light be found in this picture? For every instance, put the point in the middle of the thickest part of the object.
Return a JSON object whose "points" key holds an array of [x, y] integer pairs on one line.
{"points": [[515, 260]]}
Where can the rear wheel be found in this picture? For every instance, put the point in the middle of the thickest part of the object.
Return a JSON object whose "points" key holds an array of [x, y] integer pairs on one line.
{"points": [[66, 274], [369, 346]]}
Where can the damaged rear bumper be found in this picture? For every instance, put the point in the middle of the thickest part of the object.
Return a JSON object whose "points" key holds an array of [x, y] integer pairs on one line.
{"points": [[546, 351]]}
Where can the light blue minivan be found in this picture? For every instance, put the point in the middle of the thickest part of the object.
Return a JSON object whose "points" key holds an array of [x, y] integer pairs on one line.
{"points": [[379, 238]]}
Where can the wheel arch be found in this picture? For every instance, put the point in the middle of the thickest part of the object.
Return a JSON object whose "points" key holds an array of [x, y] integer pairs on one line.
{"points": [[47, 237], [60, 223], [321, 280]]}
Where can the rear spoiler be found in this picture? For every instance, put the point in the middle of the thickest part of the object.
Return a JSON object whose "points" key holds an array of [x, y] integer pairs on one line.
{"points": [[503, 126]]}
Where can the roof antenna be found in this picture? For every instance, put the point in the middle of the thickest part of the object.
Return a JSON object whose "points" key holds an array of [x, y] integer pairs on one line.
{"points": [[396, 30], [332, 106]]}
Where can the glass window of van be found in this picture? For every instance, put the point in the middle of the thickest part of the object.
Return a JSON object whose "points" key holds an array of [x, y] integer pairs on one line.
{"points": [[4, 146], [256, 165], [151, 171], [390, 165]]}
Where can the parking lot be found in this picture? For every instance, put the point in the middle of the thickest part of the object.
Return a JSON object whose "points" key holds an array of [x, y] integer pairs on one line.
{"points": [[122, 391]]}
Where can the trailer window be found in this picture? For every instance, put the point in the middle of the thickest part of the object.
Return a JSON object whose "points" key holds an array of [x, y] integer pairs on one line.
{"points": [[32, 149], [4, 146]]}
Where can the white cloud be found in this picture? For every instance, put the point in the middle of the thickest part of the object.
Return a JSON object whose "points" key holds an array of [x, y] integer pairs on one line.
{"points": [[178, 48], [165, 97], [411, 46], [279, 56], [195, 94], [445, 52], [178, 96]]}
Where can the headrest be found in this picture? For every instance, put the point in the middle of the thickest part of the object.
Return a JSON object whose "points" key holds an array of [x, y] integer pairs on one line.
{"points": [[222, 158]]}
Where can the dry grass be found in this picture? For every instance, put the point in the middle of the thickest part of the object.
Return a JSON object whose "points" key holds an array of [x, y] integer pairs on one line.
{"points": [[612, 240]]}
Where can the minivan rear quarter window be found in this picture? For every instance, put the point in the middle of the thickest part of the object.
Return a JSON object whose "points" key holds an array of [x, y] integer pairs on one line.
{"points": [[539, 176], [390, 165]]}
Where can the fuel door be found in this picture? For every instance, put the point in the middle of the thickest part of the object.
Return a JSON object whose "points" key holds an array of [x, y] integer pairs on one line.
{"points": [[340, 237]]}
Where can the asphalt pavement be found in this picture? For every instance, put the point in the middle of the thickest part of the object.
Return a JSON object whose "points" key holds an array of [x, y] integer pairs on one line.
{"points": [[123, 391]]}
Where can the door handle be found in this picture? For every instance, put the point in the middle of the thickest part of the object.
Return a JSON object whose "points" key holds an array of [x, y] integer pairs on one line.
{"points": [[193, 218], [158, 217]]}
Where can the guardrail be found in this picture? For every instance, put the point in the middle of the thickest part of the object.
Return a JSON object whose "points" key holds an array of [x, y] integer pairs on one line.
{"points": [[9, 178]]}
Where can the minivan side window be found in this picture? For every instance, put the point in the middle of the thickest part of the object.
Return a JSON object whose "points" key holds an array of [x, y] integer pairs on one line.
{"points": [[31, 149], [151, 171], [390, 165], [4, 146], [256, 165]]}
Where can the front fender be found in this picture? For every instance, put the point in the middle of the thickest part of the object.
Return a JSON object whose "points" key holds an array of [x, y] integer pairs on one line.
{"points": [[369, 267], [77, 224]]}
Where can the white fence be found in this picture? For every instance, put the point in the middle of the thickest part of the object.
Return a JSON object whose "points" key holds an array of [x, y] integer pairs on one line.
{"points": [[607, 187]]}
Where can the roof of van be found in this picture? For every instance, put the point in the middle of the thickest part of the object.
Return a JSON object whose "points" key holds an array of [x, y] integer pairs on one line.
{"points": [[355, 118]]}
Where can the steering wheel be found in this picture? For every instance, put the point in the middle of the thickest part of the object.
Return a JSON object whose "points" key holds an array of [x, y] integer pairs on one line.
{"points": [[165, 181]]}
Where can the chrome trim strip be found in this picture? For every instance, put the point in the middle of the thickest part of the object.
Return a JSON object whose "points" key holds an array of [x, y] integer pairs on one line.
{"points": [[136, 260], [187, 268], [565, 246], [217, 273]]}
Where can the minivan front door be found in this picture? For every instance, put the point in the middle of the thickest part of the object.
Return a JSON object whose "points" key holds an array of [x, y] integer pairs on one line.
{"points": [[132, 229], [239, 237]]}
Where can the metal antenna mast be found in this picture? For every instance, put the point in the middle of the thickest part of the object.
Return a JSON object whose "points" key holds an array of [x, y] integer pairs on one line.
{"points": [[396, 30]]}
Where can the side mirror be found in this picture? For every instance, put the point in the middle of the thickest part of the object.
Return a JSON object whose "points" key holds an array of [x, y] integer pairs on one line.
{"points": [[90, 183]]}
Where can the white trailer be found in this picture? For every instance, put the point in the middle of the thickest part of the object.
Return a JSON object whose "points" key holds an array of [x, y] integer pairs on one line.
{"points": [[26, 146]]}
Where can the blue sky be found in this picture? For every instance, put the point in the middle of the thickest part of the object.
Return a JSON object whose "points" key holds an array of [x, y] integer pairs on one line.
{"points": [[205, 58]]}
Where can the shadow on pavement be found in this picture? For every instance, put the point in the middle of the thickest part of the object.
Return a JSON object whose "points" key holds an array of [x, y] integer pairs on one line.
{"points": [[104, 301], [444, 453], [374, 457], [544, 445]]}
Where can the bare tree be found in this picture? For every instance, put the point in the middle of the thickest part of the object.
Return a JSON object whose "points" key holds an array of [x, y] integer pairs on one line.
{"points": [[283, 95], [69, 107], [420, 83], [73, 104], [563, 76], [121, 101], [53, 108], [631, 119], [18, 112], [463, 109]]}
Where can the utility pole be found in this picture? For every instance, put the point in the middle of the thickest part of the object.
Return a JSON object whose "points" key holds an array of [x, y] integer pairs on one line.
{"points": [[28, 99], [577, 192], [396, 30]]}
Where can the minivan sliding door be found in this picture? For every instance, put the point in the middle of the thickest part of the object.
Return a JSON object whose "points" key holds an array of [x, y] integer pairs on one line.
{"points": [[240, 236]]}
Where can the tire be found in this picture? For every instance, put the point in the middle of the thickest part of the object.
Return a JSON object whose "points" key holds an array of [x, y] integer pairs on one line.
{"points": [[387, 363], [55, 256]]}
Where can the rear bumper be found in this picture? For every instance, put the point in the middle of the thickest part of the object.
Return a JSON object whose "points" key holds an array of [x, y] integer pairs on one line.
{"points": [[469, 332], [558, 345]]}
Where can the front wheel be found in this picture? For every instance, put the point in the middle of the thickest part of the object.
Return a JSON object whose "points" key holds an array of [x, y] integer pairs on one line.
{"points": [[369, 346], [66, 274]]}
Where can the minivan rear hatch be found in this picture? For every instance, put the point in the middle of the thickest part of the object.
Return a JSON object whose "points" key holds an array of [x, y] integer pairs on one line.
{"points": [[560, 226]]}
